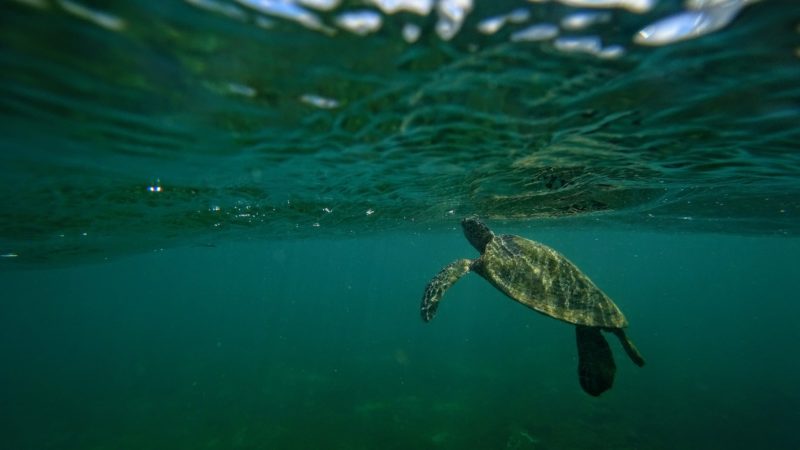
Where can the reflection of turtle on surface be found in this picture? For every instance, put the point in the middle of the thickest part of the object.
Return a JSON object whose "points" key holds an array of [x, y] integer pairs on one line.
{"points": [[544, 280]]}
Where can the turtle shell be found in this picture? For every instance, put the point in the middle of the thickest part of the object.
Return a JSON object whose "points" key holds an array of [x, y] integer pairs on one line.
{"points": [[543, 279]]}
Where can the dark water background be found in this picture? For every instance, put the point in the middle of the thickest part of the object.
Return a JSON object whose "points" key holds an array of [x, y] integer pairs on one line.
{"points": [[318, 344], [215, 229]]}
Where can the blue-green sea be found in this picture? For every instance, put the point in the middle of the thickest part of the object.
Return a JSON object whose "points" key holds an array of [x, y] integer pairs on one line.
{"points": [[218, 218]]}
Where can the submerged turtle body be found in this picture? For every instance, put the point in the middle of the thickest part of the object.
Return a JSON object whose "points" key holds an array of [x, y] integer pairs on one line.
{"points": [[544, 280]]}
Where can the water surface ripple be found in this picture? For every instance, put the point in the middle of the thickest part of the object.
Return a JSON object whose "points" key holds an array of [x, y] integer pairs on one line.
{"points": [[147, 124]]}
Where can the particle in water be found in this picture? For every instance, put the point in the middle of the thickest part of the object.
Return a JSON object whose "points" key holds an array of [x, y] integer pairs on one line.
{"points": [[289, 11], [452, 14], [411, 32], [360, 22], [322, 5], [533, 33], [582, 44], [690, 24], [636, 6], [584, 19], [611, 52], [419, 7], [241, 89], [319, 102], [491, 25]]}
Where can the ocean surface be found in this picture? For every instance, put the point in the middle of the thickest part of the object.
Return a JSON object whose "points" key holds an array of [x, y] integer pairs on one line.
{"points": [[218, 219]]}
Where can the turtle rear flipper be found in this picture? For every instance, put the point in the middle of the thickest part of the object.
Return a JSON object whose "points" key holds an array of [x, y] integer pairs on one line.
{"points": [[596, 368], [441, 283], [627, 344]]}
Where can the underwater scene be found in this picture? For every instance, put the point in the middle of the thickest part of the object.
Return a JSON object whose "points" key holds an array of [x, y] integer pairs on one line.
{"points": [[399, 224]]}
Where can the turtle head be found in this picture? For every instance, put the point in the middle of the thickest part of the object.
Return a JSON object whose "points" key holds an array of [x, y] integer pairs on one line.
{"points": [[477, 233]]}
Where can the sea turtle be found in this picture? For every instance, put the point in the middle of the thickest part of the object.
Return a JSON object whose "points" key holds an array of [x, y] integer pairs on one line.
{"points": [[542, 279]]}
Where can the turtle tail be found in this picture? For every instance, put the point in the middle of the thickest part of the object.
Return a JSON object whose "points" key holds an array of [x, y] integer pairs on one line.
{"points": [[439, 284]]}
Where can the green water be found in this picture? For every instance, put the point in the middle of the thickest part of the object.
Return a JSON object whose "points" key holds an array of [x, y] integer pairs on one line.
{"points": [[216, 226], [318, 344]]}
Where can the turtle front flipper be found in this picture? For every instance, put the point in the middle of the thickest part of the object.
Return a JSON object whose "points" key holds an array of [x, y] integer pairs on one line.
{"points": [[596, 368], [630, 349], [439, 284]]}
